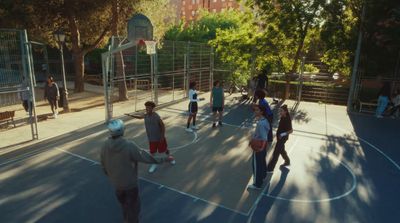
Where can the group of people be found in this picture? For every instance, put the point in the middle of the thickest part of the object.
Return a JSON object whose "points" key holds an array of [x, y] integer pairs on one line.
{"points": [[263, 134], [51, 94], [119, 156], [387, 101]]}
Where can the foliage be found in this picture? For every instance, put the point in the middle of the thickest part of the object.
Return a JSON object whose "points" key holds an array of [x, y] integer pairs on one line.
{"points": [[161, 13], [203, 29]]}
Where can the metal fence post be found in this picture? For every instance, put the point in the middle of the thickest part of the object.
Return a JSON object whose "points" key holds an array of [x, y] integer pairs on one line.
{"points": [[27, 66], [301, 79], [155, 63], [211, 69]]}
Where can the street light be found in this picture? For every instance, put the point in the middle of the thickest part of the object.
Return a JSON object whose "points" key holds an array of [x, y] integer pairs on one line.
{"points": [[60, 38]]}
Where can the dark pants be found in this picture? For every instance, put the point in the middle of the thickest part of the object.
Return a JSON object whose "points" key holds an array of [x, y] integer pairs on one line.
{"points": [[53, 104], [279, 150], [28, 105], [259, 167], [394, 109], [130, 203]]}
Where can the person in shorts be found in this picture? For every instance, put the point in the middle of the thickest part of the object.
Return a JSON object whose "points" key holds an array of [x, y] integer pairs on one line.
{"points": [[119, 160], [217, 102], [155, 130], [192, 107]]}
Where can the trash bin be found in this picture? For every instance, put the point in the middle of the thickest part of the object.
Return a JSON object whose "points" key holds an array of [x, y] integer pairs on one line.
{"points": [[61, 101]]}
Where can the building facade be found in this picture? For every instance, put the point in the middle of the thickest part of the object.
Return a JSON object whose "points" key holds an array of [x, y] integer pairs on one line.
{"points": [[189, 9]]}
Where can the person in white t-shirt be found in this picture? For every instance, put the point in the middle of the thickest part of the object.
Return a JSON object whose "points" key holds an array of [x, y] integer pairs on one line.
{"points": [[192, 107]]}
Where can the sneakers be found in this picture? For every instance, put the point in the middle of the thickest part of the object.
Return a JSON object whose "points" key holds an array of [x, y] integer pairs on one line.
{"points": [[171, 160], [214, 125], [189, 130], [195, 127], [152, 168], [253, 187]]}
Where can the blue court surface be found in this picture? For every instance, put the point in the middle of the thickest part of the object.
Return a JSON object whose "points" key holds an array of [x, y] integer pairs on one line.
{"points": [[345, 168]]}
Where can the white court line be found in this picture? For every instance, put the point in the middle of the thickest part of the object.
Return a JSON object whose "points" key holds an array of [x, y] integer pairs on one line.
{"points": [[78, 156], [195, 198], [206, 116], [324, 199], [160, 185], [365, 141], [46, 148], [195, 138]]}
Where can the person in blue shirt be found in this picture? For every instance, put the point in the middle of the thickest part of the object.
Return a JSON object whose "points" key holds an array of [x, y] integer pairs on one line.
{"points": [[258, 157], [260, 98]]}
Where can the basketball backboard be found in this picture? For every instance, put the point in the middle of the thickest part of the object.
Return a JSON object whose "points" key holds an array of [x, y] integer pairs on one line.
{"points": [[139, 27]]}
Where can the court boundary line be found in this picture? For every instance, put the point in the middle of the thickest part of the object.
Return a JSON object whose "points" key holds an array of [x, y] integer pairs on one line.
{"points": [[255, 204], [93, 162], [195, 198], [354, 185], [363, 140]]}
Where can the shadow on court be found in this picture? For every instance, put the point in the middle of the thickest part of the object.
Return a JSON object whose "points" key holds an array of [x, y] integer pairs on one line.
{"points": [[342, 171]]}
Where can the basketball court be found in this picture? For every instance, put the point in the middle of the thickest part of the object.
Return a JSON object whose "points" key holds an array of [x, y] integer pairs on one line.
{"points": [[344, 169]]}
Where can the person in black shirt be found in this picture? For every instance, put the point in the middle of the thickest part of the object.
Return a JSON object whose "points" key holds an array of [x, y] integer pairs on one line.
{"points": [[282, 135]]}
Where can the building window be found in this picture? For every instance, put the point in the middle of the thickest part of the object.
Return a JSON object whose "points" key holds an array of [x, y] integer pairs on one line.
{"points": [[214, 0], [193, 12], [193, 2]]}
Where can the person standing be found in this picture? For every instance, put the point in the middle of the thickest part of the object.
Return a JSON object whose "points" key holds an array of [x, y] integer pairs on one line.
{"points": [[259, 156], [396, 104], [52, 94], [217, 102], [25, 97], [383, 99], [119, 159], [155, 130], [192, 107], [282, 135], [260, 96]]}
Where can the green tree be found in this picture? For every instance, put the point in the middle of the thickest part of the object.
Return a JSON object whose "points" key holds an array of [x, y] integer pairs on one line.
{"points": [[204, 28], [161, 13], [86, 24]]}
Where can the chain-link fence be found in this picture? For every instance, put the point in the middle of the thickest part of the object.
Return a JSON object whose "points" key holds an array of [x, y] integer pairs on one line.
{"points": [[16, 77], [130, 74]]}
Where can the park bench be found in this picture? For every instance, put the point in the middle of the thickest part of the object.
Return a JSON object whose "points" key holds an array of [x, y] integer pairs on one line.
{"points": [[94, 78], [368, 107], [140, 84], [7, 116]]}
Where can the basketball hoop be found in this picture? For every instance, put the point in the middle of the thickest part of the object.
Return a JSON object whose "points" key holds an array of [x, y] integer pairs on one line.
{"points": [[151, 47], [140, 42]]}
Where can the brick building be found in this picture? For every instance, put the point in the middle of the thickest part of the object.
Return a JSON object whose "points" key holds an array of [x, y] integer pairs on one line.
{"points": [[189, 9]]}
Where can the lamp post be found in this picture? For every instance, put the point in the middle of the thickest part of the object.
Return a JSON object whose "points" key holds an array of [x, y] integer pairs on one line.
{"points": [[60, 38]]}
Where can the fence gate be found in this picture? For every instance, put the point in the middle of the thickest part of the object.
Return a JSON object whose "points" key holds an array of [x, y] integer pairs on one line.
{"points": [[16, 77], [131, 76]]}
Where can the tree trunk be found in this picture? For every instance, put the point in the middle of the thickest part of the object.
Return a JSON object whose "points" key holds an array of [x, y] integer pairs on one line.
{"points": [[79, 72], [294, 67]]}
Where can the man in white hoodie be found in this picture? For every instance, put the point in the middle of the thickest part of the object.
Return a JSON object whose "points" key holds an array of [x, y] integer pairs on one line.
{"points": [[119, 158]]}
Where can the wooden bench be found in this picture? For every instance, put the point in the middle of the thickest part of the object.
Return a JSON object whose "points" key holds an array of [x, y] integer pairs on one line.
{"points": [[367, 106], [141, 84], [94, 78], [7, 116]]}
